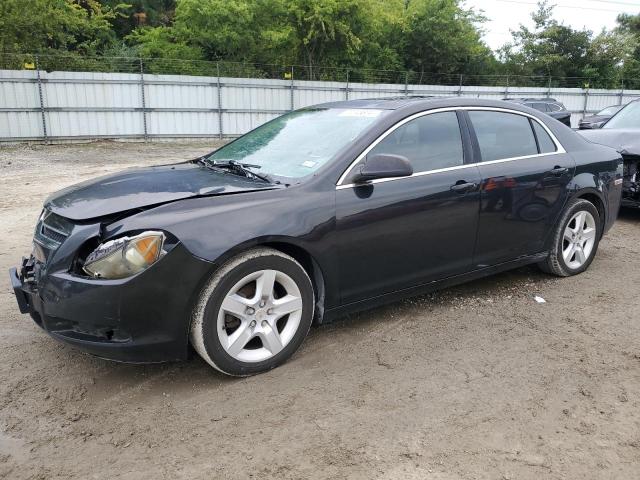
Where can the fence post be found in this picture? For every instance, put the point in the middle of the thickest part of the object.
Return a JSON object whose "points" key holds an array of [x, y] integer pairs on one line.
{"points": [[346, 90], [41, 97], [406, 84], [549, 88], [586, 100], [291, 93], [143, 100], [506, 90], [219, 101], [621, 91], [460, 86]]}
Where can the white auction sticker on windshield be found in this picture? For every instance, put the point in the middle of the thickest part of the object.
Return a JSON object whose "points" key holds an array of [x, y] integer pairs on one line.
{"points": [[309, 164], [360, 112]]}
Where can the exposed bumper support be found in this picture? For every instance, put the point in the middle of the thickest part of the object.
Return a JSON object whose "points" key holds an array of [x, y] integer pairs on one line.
{"points": [[21, 297]]}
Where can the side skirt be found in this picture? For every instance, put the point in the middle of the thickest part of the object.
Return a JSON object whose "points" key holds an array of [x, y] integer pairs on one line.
{"points": [[337, 312]]}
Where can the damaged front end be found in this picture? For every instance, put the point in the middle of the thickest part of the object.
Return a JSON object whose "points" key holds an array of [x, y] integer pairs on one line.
{"points": [[125, 298], [631, 181]]}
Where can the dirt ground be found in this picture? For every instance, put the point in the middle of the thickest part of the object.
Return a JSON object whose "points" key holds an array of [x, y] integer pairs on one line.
{"points": [[477, 381]]}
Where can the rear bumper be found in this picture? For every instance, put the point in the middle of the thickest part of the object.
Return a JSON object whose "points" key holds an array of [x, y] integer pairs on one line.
{"points": [[142, 319]]}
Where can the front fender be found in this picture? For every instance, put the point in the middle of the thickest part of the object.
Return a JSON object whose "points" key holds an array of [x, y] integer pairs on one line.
{"points": [[217, 228]]}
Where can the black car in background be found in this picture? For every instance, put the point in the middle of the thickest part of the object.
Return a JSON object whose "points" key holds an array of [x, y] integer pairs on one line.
{"points": [[548, 105], [600, 118], [622, 132], [323, 211]]}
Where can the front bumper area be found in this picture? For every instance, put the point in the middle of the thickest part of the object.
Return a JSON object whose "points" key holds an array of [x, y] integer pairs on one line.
{"points": [[141, 319], [21, 296]]}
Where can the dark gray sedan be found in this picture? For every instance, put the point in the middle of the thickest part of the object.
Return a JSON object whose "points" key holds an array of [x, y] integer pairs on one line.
{"points": [[323, 211], [600, 118]]}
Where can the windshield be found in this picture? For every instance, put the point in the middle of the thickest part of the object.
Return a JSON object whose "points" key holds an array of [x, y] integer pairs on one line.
{"points": [[609, 110], [628, 117], [298, 143]]}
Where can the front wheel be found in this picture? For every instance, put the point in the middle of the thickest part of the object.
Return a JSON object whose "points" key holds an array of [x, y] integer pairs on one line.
{"points": [[575, 240], [254, 313]]}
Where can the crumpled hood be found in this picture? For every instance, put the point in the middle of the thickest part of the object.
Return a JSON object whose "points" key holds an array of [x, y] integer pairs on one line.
{"points": [[625, 140], [145, 187]]}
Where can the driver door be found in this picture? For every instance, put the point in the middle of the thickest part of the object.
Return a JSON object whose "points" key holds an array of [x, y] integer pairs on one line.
{"points": [[402, 232]]}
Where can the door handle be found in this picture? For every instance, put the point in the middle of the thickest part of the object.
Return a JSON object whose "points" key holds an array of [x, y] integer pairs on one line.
{"points": [[462, 186], [557, 171]]}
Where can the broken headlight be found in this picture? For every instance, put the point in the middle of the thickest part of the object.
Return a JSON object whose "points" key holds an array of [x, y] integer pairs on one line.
{"points": [[125, 256]]}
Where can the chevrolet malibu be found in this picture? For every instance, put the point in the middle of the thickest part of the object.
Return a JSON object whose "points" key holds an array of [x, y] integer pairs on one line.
{"points": [[320, 212]]}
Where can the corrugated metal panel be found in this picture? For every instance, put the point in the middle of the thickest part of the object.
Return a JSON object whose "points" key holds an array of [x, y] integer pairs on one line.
{"points": [[111, 124], [20, 124], [182, 123], [19, 94], [110, 104]]}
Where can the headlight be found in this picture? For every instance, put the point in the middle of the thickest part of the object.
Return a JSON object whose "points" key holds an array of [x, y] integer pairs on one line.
{"points": [[125, 256]]}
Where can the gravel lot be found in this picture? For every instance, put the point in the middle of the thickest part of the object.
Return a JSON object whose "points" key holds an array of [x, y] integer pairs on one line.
{"points": [[477, 381]]}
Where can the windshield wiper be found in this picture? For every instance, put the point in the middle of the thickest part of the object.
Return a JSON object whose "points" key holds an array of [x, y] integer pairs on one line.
{"points": [[234, 166]]}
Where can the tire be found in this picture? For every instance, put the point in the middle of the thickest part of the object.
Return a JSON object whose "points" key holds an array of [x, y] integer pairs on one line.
{"points": [[238, 325], [569, 234]]}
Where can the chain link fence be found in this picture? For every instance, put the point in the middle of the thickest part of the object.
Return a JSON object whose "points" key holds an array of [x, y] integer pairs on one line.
{"points": [[167, 66]]}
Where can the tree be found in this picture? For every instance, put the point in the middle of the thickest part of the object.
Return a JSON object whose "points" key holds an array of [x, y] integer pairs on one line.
{"points": [[326, 29], [370, 40], [442, 37], [628, 33], [140, 13], [334, 33], [234, 30], [550, 49], [44, 26]]}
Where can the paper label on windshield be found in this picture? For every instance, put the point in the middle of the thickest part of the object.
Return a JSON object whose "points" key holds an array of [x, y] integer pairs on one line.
{"points": [[360, 112], [309, 164]]}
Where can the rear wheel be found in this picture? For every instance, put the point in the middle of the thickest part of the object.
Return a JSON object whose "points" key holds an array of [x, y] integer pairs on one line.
{"points": [[254, 313], [575, 240]]}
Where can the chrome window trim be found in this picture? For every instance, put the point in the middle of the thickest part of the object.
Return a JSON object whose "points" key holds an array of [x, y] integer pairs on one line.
{"points": [[559, 148]]}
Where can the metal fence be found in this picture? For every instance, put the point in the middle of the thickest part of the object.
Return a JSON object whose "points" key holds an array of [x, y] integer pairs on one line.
{"points": [[74, 100]]}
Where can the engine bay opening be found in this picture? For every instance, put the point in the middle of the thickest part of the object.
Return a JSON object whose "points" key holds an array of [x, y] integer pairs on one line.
{"points": [[631, 178]]}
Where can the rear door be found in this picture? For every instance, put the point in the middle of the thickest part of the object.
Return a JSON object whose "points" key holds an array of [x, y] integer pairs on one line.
{"points": [[399, 233], [525, 173]]}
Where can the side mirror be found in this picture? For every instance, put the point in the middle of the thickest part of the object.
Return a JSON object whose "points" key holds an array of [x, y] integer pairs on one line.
{"points": [[383, 165]]}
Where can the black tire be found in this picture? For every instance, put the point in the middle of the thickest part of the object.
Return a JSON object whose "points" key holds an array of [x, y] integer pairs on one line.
{"points": [[204, 332], [555, 263]]}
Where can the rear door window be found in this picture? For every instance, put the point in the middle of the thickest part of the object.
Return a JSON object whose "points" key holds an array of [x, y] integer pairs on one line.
{"points": [[503, 135], [545, 143]]}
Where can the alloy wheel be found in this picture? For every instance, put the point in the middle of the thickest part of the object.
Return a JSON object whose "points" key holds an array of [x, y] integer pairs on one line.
{"points": [[579, 239], [259, 315]]}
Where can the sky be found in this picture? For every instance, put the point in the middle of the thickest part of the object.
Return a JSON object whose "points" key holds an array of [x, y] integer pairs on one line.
{"points": [[509, 14]]}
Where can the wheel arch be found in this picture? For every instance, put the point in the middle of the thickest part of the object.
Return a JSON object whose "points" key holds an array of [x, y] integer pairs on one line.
{"points": [[311, 266], [595, 197], [294, 249]]}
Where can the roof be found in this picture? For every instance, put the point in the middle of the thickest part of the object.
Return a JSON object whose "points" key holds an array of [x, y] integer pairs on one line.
{"points": [[386, 103], [415, 102]]}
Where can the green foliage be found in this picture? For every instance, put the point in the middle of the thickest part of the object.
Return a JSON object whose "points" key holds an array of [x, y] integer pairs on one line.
{"points": [[434, 41], [429, 35], [441, 36], [40, 26], [140, 13], [628, 33]]}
